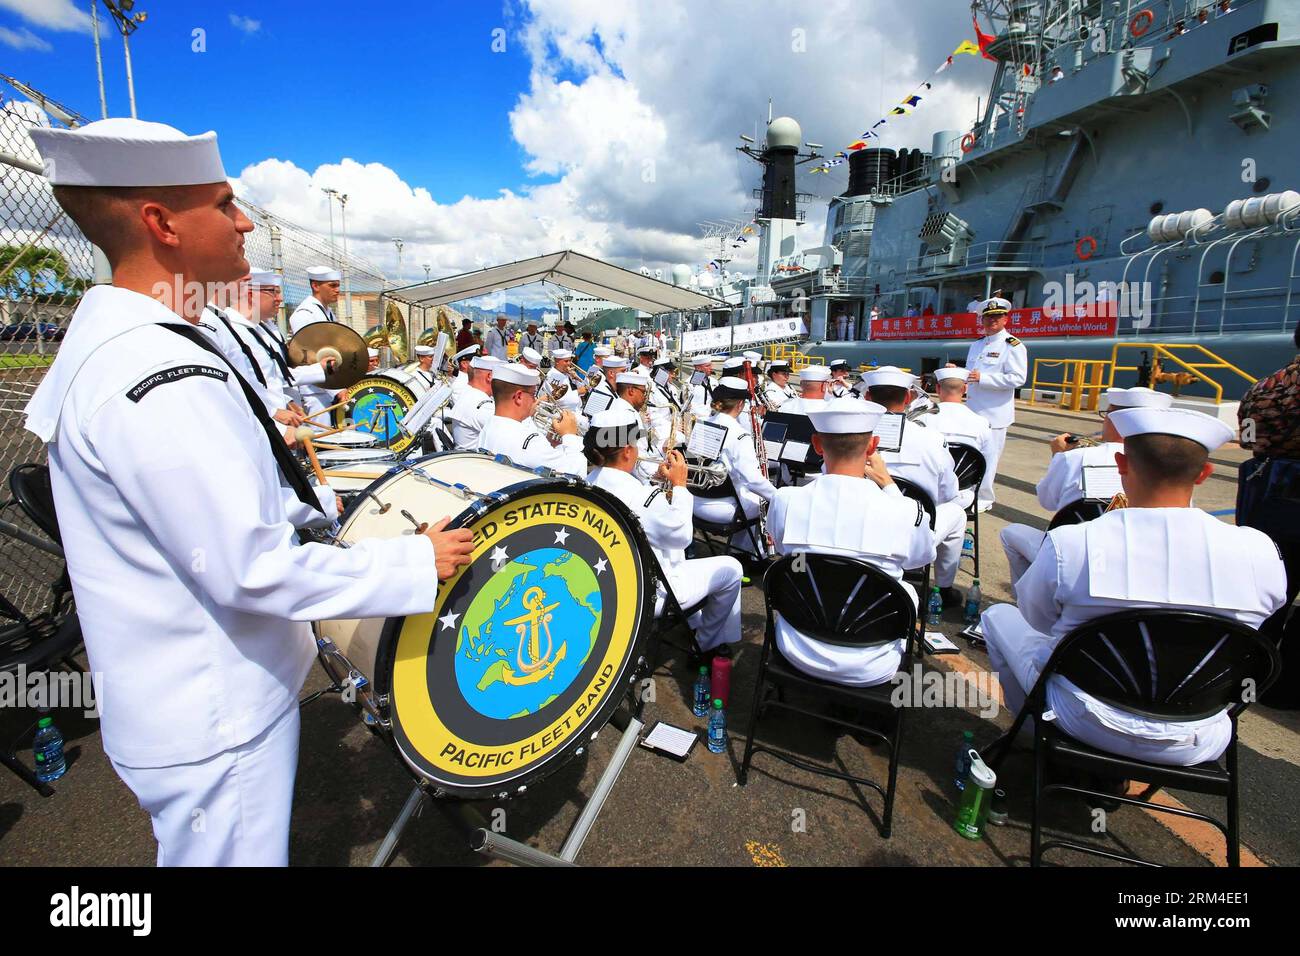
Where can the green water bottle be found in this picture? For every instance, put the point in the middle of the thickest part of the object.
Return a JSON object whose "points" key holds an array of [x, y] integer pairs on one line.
{"points": [[973, 810]]}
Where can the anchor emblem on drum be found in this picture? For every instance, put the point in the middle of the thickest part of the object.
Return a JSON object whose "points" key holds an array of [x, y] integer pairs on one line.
{"points": [[529, 627]]}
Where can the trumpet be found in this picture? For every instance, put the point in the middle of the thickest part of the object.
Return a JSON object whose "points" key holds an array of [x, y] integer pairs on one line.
{"points": [[698, 475], [920, 411]]}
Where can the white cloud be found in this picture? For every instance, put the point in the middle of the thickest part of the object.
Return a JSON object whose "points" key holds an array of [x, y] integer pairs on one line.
{"points": [[51, 14], [245, 24], [23, 39], [636, 109]]}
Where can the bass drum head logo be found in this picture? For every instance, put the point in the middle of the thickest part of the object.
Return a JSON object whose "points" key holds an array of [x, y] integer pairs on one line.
{"points": [[375, 406], [528, 648]]}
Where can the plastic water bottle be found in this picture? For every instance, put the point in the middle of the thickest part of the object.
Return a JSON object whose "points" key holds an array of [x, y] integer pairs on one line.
{"points": [[968, 544], [701, 705], [963, 758], [718, 728], [973, 603], [935, 609], [47, 748]]}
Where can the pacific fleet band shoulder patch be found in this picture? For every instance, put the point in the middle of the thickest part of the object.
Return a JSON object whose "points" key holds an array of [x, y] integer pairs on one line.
{"points": [[169, 375]]}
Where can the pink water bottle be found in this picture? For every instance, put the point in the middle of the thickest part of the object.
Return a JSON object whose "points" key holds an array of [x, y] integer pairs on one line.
{"points": [[720, 679]]}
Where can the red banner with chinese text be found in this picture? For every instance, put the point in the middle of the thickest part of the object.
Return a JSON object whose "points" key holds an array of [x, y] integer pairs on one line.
{"points": [[1022, 323]]}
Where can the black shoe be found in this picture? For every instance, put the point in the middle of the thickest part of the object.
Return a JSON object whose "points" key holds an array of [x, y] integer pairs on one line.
{"points": [[951, 597]]}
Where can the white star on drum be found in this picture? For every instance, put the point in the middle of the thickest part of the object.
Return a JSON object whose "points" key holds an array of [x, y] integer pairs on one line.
{"points": [[601, 565], [561, 536], [499, 558], [449, 620]]}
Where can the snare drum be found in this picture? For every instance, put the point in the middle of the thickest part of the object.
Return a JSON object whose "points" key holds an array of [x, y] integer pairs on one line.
{"points": [[352, 438], [345, 457], [378, 402], [529, 648]]}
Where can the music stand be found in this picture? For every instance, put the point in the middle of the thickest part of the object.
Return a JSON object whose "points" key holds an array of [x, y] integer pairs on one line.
{"points": [[795, 432]]}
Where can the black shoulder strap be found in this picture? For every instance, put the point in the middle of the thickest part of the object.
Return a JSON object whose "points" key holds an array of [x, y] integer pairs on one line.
{"points": [[279, 450], [274, 353], [243, 346]]}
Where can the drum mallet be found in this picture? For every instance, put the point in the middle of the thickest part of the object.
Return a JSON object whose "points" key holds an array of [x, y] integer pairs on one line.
{"points": [[304, 436], [330, 409]]}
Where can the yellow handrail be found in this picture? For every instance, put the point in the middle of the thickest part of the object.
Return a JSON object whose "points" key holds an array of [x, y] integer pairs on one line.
{"points": [[1163, 351], [1081, 379]]}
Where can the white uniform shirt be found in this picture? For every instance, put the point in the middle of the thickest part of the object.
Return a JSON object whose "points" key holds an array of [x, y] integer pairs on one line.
{"points": [[1063, 483], [702, 398], [1178, 558], [1003, 364], [777, 395], [958, 423], [193, 591], [471, 411], [494, 343], [524, 445], [533, 340], [836, 514], [839, 387], [741, 460], [309, 312], [254, 339], [236, 351], [802, 406], [924, 460], [668, 525]]}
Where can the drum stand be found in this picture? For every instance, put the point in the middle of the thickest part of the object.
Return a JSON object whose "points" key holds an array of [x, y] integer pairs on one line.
{"points": [[483, 839]]}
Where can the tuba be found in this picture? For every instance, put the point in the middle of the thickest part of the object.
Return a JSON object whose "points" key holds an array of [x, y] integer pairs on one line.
{"points": [[391, 333]]}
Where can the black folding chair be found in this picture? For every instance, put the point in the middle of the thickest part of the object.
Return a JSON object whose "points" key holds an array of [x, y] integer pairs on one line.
{"points": [[918, 577], [670, 619], [722, 531], [848, 603], [969, 464], [1078, 512], [1166, 665]]}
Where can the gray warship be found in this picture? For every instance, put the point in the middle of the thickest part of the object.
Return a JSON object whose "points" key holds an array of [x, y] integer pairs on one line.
{"points": [[1145, 148]]}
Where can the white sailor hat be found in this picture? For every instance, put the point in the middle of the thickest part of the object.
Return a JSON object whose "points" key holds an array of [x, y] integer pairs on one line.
{"points": [[515, 374], [943, 374], [994, 305], [889, 375], [265, 277], [837, 364], [647, 350], [846, 416], [323, 274], [561, 354], [753, 358], [698, 360], [731, 387], [1137, 397], [1205, 430], [532, 356], [815, 373], [778, 365], [638, 379], [424, 350], [468, 352], [613, 428], [603, 351], [489, 362], [615, 362], [128, 152], [735, 362], [373, 353], [664, 360]]}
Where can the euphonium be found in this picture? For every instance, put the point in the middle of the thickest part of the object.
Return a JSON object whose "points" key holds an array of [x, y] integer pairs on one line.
{"points": [[698, 476]]}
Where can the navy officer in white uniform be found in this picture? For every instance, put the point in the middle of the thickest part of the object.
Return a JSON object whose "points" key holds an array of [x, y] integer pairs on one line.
{"points": [[611, 446], [512, 432], [1159, 552], [193, 590], [996, 366], [853, 509]]}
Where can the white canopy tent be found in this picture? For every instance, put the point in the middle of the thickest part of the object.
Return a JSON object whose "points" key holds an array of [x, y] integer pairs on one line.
{"points": [[569, 269]]}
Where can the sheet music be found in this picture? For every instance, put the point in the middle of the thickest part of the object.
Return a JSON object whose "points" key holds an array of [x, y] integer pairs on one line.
{"points": [[661, 378], [439, 350], [698, 378], [1101, 482], [670, 739], [597, 402], [418, 417], [706, 441], [773, 438], [890, 431], [795, 452]]}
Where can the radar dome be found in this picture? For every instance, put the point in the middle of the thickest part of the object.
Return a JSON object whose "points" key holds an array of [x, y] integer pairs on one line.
{"points": [[784, 132], [681, 274]]}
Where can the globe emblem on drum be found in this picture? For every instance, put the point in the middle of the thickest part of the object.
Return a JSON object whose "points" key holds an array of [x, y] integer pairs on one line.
{"points": [[528, 633]]}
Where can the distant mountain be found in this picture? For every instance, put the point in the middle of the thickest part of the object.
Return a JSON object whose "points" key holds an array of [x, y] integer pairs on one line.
{"points": [[490, 315]]}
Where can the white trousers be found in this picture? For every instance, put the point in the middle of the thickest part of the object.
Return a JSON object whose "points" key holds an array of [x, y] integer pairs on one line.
{"points": [[997, 441], [1018, 654], [716, 581], [1022, 544], [949, 534], [724, 509], [229, 810]]}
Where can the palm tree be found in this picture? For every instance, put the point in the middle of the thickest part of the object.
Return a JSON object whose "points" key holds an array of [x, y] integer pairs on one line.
{"points": [[38, 274]]}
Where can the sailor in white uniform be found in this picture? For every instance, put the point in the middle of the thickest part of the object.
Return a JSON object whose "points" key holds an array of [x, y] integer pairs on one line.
{"points": [[813, 382], [839, 385], [494, 343], [924, 460], [474, 406], [460, 361], [735, 367], [1159, 552], [702, 391], [777, 389], [564, 338], [666, 517], [263, 305], [602, 395], [193, 590], [511, 431], [997, 365], [957, 422], [559, 382], [372, 360], [633, 394], [424, 370], [740, 460], [533, 339], [853, 509], [530, 358], [317, 307], [662, 403]]}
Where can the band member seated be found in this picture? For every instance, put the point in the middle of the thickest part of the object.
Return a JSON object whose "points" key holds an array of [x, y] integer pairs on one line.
{"points": [[606, 382], [513, 433], [853, 509], [737, 366], [702, 392], [813, 382], [611, 448], [460, 362], [1063, 483], [839, 385], [633, 394], [1159, 552], [923, 459], [662, 403], [958, 423], [474, 407], [739, 459], [563, 381], [424, 364], [777, 389]]}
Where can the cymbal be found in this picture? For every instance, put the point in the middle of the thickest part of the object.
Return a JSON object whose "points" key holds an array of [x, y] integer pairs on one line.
{"points": [[309, 345]]}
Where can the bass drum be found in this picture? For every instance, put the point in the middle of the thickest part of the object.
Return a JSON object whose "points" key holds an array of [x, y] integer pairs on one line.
{"points": [[530, 647], [378, 402]]}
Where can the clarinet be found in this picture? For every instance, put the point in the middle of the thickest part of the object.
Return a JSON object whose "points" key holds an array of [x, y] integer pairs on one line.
{"points": [[760, 449]]}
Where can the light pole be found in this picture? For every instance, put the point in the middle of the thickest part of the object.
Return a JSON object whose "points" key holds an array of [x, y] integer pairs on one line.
{"points": [[347, 273], [329, 198], [99, 59], [127, 23], [426, 268], [397, 241]]}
